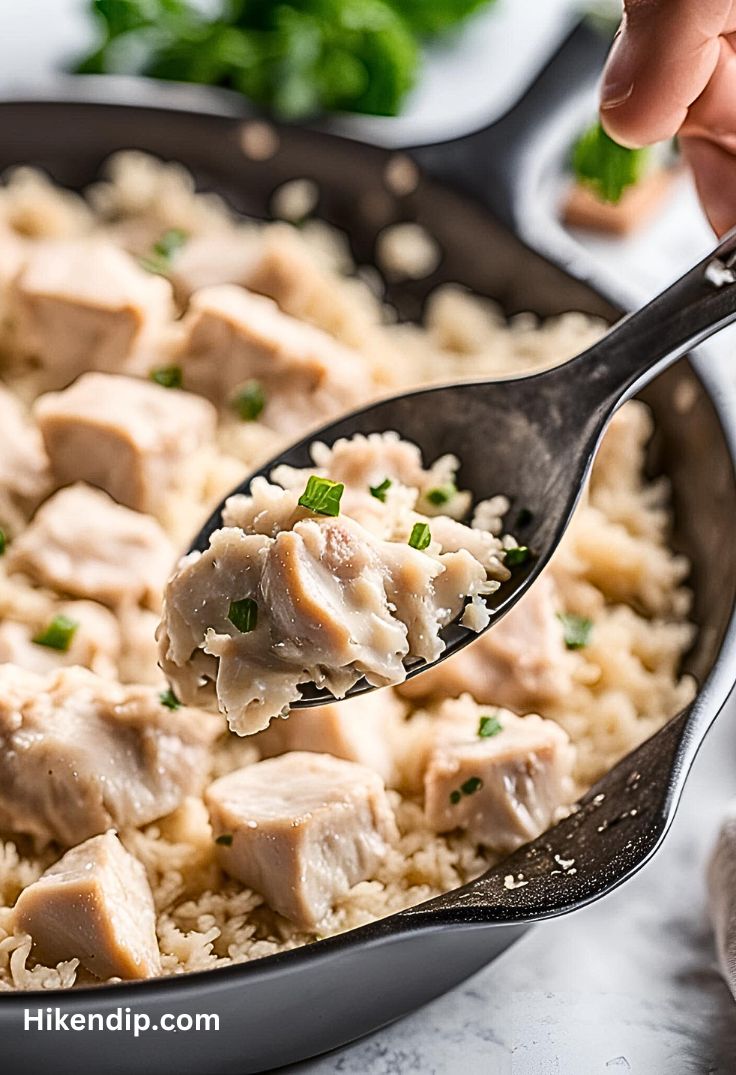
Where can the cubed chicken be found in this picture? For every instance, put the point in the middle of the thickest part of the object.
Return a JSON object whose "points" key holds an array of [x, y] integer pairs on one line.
{"points": [[522, 662], [127, 436], [214, 258], [80, 542], [85, 304], [360, 729], [95, 905], [287, 271], [24, 471], [232, 337], [504, 783], [80, 754], [301, 829], [325, 602], [326, 596], [13, 250], [75, 632]]}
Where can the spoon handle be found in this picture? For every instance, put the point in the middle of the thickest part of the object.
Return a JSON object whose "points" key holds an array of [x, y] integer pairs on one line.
{"points": [[696, 306]]}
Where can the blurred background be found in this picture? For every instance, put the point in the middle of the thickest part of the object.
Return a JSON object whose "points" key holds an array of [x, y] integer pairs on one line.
{"points": [[629, 984]]}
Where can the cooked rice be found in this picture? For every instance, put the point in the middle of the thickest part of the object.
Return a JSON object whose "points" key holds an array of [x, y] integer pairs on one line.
{"points": [[614, 567]]}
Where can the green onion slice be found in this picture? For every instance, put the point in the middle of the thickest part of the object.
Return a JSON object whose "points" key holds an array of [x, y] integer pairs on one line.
{"points": [[243, 615], [58, 635], [420, 536], [322, 496], [577, 629], [379, 491]]}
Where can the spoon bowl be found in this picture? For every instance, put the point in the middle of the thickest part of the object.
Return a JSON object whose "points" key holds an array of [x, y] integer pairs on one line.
{"points": [[532, 438]]}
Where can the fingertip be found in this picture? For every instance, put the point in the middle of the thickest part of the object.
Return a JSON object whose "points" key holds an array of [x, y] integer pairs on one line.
{"points": [[618, 127], [636, 123]]}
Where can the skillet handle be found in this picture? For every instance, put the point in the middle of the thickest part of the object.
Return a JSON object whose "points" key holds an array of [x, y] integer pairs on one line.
{"points": [[494, 163]]}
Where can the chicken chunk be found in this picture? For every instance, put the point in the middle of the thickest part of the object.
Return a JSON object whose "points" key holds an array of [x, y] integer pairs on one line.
{"points": [[94, 642], [521, 662], [360, 729], [127, 436], [24, 472], [329, 602], [79, 754], [301, 830], [232, 337], [13, 250], [287, 271], [503, 782], [95, 904], [209, 260], [330, 596], [81, 542], [85, 304]]}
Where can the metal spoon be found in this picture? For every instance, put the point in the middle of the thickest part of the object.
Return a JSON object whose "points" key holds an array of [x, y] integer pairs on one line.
{"points": [[534, 438]]}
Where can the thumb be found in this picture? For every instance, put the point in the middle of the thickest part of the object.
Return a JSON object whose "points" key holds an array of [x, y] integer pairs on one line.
{"points": [[660, 62]]}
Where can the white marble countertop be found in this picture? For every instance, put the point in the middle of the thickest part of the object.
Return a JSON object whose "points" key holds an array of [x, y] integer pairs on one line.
{"points": [[628, 984]]}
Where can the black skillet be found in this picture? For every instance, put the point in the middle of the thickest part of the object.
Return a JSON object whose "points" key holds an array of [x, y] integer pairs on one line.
{"points": [[292, 1006]]}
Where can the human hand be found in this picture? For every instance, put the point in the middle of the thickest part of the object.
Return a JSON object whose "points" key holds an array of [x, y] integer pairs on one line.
{"points": [[672, 71]]}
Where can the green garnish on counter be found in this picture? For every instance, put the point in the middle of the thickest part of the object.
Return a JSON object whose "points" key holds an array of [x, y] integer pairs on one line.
{"points": [[442, 494], [243, 615], [322, 496], [167, 376], [606, 167], [249, 400], [295, 57], [58, 635], [518, 555], [3, 541], [168, 698], [577, 629], [420, 536], [379, 491], [489, 726]]}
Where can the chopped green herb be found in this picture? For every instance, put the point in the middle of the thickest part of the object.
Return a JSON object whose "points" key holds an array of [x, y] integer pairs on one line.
{"points": [[225, 840], [243, 615], [523, 518], [172, 240], [58, 634], [577, 629], [489, 726], [249, 401], [167, 376], [442, 494], [162, 251], [322, 496], [606, 167], [469, 787], [518, 555], [379, 491], [420, 536], [169, 699], [3, 541]]}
